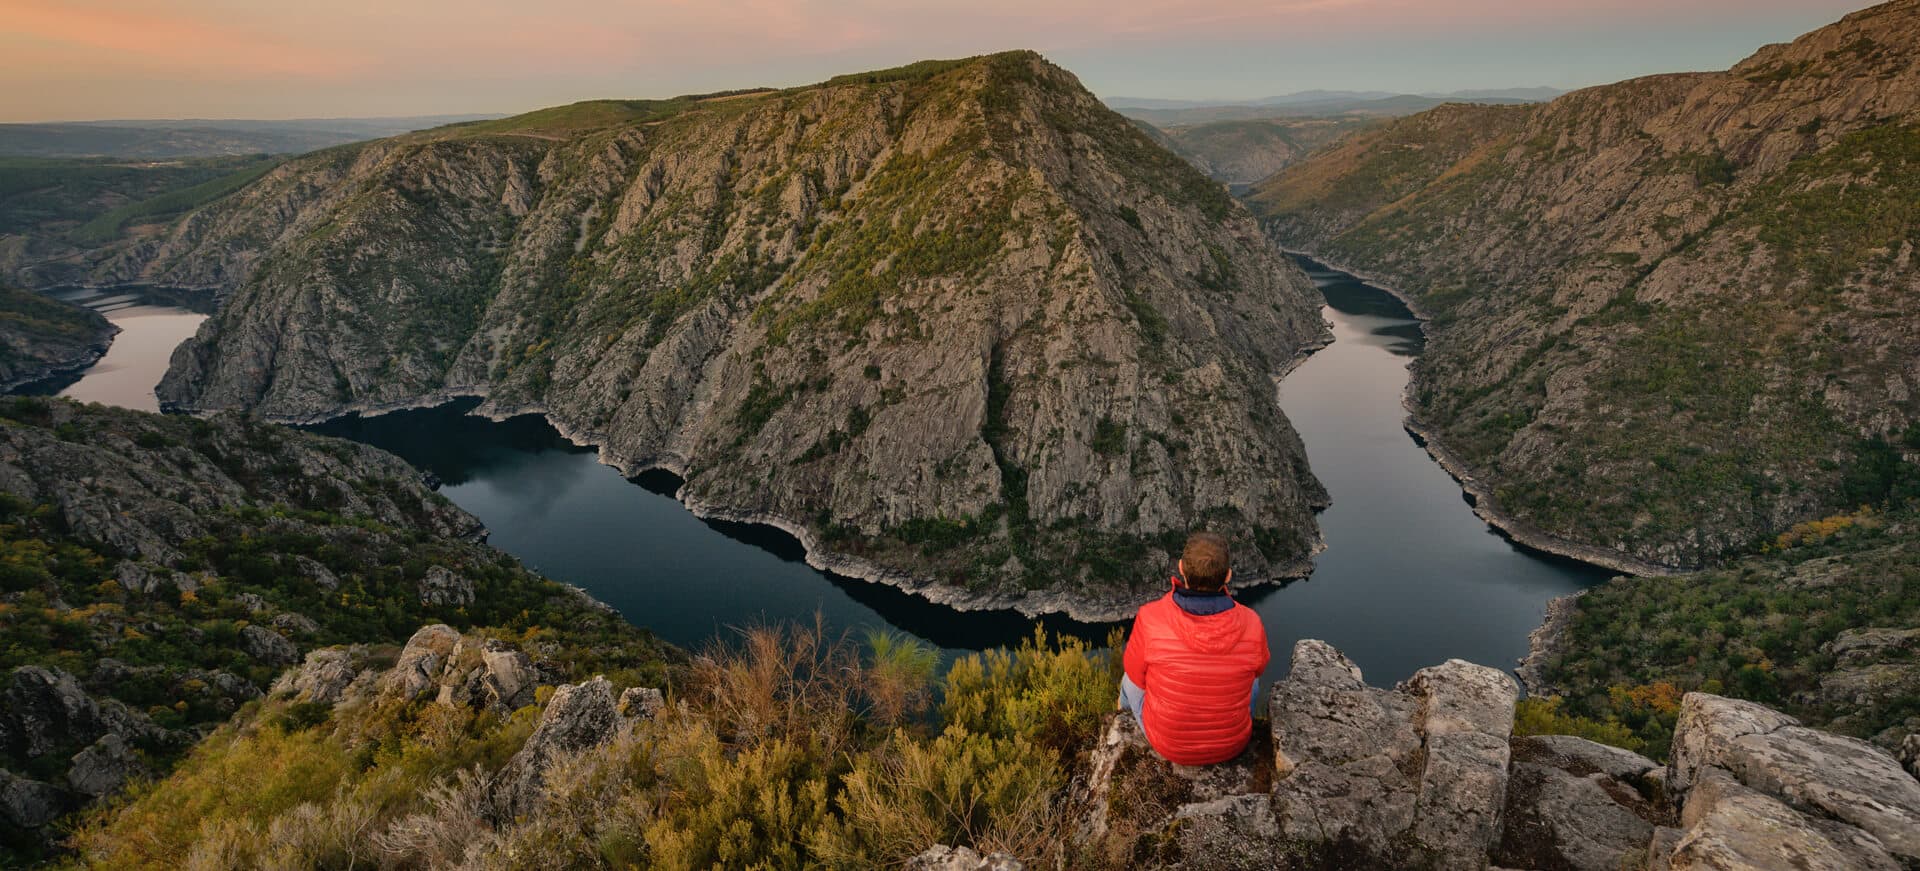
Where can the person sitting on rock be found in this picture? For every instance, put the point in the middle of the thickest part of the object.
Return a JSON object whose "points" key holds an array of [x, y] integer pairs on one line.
{"points": [[1193, 661]]}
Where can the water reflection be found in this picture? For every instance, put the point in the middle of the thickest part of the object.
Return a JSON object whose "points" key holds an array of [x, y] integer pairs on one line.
{"points": [[152, 321], [553, 505]]}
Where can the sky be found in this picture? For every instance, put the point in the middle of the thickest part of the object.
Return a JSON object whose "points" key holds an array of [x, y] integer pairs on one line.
{"points": [[95, 59]]}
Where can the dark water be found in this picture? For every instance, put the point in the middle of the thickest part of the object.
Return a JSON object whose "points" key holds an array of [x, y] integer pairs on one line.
{"points": [[1410, 577], [630, 543], [152, 323]]}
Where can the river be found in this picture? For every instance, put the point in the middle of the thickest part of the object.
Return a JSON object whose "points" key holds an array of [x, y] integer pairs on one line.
{"points": [[1410, 578]]}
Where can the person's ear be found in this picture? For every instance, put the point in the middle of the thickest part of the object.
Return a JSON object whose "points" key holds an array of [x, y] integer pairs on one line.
{"points": [[1228, 582], [1180, 570]]}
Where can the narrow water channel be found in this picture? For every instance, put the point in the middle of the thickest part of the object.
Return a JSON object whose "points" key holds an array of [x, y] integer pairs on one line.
{"points": [[1410, 576]]}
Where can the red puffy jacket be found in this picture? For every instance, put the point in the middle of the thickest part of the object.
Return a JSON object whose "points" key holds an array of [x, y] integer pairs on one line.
{"points": [[1198, 674]]}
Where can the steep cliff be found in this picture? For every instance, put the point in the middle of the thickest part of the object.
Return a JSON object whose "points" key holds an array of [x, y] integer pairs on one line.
{"points": [[1671, 317], [41, 337], [957, 324]]}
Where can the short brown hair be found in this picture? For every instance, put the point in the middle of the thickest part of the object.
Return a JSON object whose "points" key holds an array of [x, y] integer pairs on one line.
{"points": [[1206, 561]]}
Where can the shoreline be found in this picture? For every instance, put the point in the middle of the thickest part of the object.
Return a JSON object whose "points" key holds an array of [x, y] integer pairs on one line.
{"points": [[1030, 604], [1546, 640], [1518, 531], [93, 355]]}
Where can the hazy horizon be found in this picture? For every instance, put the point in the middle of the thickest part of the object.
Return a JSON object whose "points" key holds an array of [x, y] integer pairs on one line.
{"points": [[93, 60]]}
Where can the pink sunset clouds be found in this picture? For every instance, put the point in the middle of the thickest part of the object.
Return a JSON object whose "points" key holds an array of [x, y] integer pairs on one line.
{"points": [[266, 58]]}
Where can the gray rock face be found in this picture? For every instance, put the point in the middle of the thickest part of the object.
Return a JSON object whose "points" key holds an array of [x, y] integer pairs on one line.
{"points": [[29, 804], [298, 624], [320, 575], [1732, 827], [1572, 803], [1417, 774], [1345, 755], [442, 586], [135, 577], [268, 646], [45, 708], [323, 678], [579, 717], [1844, 778], [418, 670], [103, 767], [1466, 716], [641, 703], [941, 857]]}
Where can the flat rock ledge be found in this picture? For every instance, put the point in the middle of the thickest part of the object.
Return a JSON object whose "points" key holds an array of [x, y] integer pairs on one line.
{"points": [[1429, 775]]}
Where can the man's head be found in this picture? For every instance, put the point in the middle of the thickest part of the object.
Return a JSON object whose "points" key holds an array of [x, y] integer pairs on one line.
{"points": [[1204, 565]]}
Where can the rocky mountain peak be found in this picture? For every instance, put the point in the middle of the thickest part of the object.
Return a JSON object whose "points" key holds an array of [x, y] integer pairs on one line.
{"points": [[956, 324]]}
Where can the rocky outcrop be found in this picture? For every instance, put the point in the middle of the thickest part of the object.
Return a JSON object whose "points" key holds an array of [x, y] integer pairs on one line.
{"points": [[268, 646], [325, 676], [1740, 765], [1572, 803], [1428, 775], [941, 857], [962, 329], [30, 804], [103, 767], [578, 718], [41, 337], [441, 586], [1695, 279], [422, 661]]}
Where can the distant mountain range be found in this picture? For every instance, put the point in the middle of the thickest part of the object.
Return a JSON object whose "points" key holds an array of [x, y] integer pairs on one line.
{"points": [[1379, 104], [194, 137]]}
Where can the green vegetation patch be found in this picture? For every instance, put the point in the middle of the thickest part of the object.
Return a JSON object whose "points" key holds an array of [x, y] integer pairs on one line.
{"points": [[1760, 629]]}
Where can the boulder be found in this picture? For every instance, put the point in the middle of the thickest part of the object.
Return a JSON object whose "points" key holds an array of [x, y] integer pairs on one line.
{"points": [[488, 673], [1910, 755], [578, 717], [313, 571], [442, 586], [417, 672], [45, 708], [268, 647], [297, 624], [1465, 716], [253, 602], [941, 857], [1732, 827], [135, 577], [103, 767], [1857, 647], [1556, 818], [323, 678], [642, 703], [30, 804], [1346, 756], [1843, 778]]}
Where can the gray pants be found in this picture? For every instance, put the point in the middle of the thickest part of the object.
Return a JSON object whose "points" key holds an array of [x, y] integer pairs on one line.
{"points": [[1132, 696]]}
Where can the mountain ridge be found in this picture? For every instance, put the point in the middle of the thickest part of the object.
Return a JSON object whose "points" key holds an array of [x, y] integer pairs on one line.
{"points": [[955, 320], [1630, 285]]}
